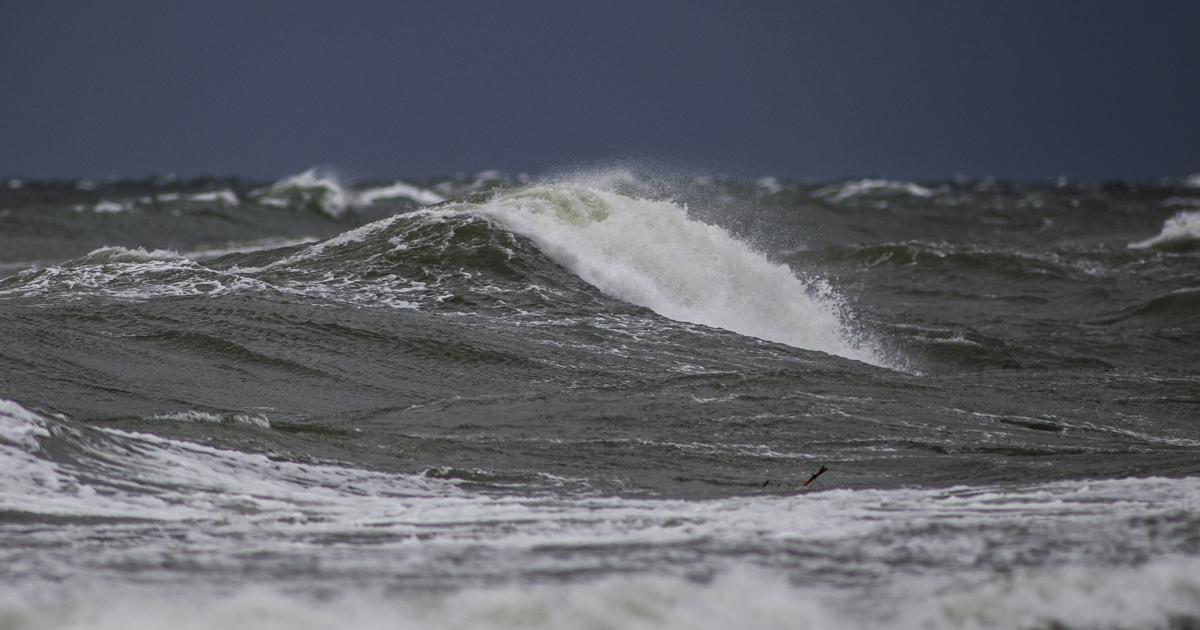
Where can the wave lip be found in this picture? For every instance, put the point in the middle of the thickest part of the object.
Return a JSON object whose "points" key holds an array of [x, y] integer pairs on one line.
{"points": [[651, 254], [1179, 233]]}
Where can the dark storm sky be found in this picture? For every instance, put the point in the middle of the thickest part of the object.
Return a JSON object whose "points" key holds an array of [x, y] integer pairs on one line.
{"points": [[809, 90]]}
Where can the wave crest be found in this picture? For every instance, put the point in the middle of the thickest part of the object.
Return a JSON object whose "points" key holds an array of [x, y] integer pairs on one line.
{"points": [[325, 193], [1180, 233], [650, 253]]}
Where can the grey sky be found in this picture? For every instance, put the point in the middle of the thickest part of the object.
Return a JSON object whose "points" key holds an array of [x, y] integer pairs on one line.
{"points": [[810, 90]]}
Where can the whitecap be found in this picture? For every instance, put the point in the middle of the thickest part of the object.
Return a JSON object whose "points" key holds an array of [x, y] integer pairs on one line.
{"points": [[130, 274], [117, 254], [21, 427], [254, 419], [842, 192], [1182, 201], [1180, 231], [308, 188], [399, 189], [112, 207], [227, 197]]}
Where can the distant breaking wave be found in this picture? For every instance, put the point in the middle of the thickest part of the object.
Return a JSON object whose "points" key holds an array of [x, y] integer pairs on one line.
{"points": [[1180, 233], [310, 190], [326, 193]]}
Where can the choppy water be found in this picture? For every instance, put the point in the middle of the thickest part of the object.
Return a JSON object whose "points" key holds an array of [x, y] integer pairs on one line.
{"points": [[592, 401]]}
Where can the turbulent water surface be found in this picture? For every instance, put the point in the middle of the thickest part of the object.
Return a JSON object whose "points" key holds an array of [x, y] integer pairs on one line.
{"points": [[593, 401]]}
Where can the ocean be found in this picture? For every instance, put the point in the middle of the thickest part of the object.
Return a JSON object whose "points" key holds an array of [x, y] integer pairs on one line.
{"points": [[601, 399]]}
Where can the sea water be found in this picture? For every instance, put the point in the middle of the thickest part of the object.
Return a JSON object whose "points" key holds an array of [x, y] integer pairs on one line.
{"points": [[598, 400]]}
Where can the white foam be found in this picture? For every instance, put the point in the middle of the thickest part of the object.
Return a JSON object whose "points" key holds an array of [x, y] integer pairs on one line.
{"points": [[651, 254], [964, 552], [1181, 229], [131, 274], [1154, 595], [390, 291], [226, 197], [117, 254], [112, 207], [399, 189], [322, 189], [1187, 202], [20, 427], [744, 601], [188, 481], [255, 419], [842, 192], [327, 192], [170, 480]]}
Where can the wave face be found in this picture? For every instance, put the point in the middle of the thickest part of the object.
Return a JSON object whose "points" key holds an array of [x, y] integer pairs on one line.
{"points": [[598, 400]]}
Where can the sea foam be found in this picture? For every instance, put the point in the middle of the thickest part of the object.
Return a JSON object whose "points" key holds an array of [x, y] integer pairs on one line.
{"points": [[129, 274], [1158, 593], [974, 543], [20, 427]]}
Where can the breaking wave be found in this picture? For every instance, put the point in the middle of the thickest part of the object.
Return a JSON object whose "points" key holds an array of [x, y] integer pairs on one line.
{"points": [[1180, 233], [650, 253]]}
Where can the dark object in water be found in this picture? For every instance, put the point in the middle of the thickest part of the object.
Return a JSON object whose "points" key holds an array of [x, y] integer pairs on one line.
{"points": [[815, 475]]}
